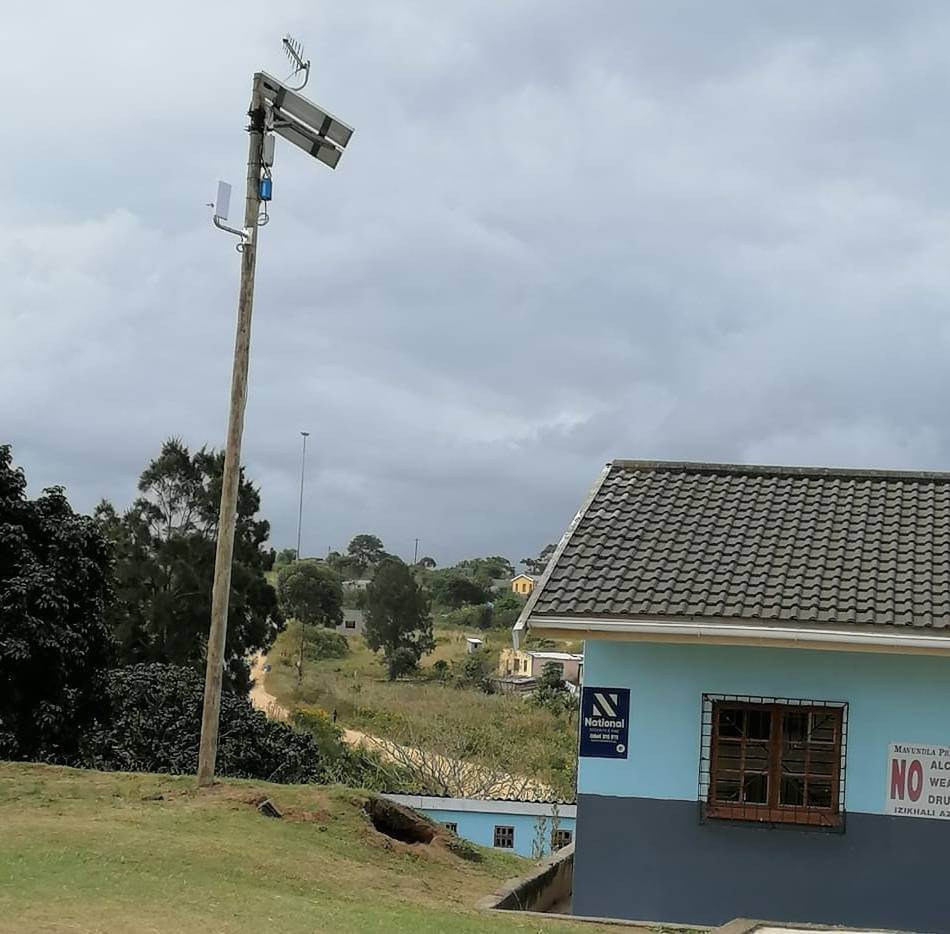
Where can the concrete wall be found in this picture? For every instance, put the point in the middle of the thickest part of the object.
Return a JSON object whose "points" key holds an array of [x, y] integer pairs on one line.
{"points": [[679, 869]]}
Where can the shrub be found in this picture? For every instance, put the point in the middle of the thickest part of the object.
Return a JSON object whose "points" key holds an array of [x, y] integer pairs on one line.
{"points": [[154, 725], [474, 670], [471, 617], [325, 643], [357, 767]]}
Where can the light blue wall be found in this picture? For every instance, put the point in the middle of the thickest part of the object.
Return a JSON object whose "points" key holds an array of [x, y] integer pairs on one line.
{"points": [[891, 698], [479, 827]]}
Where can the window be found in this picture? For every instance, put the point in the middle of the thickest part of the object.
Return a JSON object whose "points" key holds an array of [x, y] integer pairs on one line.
{"points": [[773, 761], [451, 827], [561, 838], [504, 837], [350, 624]]}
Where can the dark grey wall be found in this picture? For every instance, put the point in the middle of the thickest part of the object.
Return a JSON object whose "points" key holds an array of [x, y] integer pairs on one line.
{"points": [[651, 860]]}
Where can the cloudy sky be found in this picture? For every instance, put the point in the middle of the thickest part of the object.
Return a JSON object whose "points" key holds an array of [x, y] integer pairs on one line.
{"points": [[563, 232]]}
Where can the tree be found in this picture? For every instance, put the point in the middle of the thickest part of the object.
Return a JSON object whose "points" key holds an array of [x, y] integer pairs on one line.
{"points": [[460, 591], [537, 565], [551, 691], [311, 593], [347, 567], [165, 544], [366, 551], [55, 578], [397, 616], [285, 556], [506, 608], [484, 570]]}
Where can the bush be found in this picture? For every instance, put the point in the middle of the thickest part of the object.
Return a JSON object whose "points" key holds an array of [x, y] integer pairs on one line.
{"points": [[324, 643], [470, 617], [474, 670], [154, 725], [356, 767], [506, 610]]}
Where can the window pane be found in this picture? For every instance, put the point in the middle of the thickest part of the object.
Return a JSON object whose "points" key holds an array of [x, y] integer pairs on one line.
{"points": [[792, 790], [819, 794], [727, 789], [795, 727], [757, 757], [794, 758], [823, 760], [729, 756], [823, 728], [731, 723], [756, 789], [759, 724]]}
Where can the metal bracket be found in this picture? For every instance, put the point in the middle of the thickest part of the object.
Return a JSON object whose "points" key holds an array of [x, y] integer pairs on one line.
{"points": [[244, 235]]}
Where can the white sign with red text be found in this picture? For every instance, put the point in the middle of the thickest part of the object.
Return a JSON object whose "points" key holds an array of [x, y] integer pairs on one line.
{"points": [[918, 781]]}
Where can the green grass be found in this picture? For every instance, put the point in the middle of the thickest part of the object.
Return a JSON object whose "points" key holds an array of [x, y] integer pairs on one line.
{"points": [[84, 851], [499, 730]]}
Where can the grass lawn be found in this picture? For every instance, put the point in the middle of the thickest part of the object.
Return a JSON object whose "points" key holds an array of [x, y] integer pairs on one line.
{"points": [[84, 851], [501, 730]]}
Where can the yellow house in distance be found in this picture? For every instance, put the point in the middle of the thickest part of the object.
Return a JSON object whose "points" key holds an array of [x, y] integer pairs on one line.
{"points": [[523, 584]]}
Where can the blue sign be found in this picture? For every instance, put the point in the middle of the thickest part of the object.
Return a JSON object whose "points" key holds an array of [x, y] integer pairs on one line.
{"points": [[605, 722]]}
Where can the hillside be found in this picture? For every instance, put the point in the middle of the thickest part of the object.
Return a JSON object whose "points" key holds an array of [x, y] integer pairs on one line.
{"points": [[85, 851], [495, 730]]}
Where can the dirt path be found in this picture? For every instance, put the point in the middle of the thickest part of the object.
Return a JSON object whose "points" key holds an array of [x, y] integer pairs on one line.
{"points": [[260, 697]]}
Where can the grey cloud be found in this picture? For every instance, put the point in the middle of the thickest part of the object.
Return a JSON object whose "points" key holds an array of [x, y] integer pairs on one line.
{"points": [[562, 233]]}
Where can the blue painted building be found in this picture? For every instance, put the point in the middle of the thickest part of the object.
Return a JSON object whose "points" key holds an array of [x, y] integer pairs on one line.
{"points": [[765, 723], [528, 828]]}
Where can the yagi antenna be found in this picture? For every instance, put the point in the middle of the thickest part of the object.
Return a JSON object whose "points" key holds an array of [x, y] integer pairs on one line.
{"points": [[294, 50]]}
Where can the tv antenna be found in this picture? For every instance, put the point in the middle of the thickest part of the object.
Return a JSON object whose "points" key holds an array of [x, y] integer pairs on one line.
{"points": [[294, 50]]}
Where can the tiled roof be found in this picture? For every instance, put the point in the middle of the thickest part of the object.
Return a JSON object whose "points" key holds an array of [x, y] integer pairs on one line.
{"points": [[729, 542]]}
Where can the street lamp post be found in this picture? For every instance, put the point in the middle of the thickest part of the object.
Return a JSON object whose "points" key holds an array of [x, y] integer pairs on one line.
{"points": [[275, 108], [303, 462]]}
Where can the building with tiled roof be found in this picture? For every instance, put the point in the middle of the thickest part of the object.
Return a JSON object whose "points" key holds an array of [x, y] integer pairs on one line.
{"points": [[766, 648]]}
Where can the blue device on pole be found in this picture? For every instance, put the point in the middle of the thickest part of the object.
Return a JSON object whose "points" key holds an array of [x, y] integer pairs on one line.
{"points": [[266, 189]]}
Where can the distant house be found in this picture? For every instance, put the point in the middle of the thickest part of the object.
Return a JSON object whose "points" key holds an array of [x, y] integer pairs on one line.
{"points": [[523, 584], [354, 622], [528, 828], [360, 584], [526, 664], [473, 644]]}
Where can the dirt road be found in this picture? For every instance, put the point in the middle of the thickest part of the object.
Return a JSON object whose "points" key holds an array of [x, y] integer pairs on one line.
{"points": [[260, 698]]}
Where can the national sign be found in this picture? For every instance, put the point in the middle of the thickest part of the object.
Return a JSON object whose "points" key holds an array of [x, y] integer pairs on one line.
{"points": [[605, 722]]}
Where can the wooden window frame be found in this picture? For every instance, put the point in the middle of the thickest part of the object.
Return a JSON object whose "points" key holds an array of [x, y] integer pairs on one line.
{"points": [[503, 832], [772, 812]]}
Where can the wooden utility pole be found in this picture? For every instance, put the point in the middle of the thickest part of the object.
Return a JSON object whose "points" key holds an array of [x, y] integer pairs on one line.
{"points": [[227, 517]]}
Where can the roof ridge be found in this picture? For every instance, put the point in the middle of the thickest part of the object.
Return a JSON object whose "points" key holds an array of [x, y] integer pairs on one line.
{"points": [[778, 470]]}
